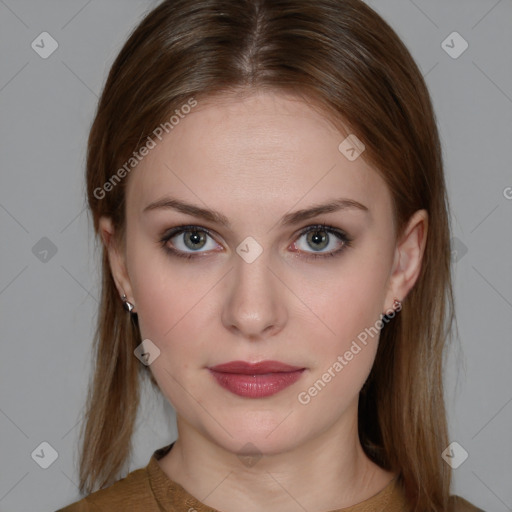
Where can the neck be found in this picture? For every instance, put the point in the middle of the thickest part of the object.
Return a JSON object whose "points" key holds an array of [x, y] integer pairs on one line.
{"points": [[328, 472]]}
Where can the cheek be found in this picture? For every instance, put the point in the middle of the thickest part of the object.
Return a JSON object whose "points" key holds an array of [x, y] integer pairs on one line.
{"points": [[172, 315], [172, 303], [349, 305], [349, 300], [171, 310], [351, 310]]}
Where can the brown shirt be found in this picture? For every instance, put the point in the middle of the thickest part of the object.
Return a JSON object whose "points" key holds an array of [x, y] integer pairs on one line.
{"points": [[149, 489]]}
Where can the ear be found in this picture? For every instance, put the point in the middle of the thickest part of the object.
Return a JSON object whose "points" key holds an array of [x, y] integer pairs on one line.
{"points": [[116, 259], [408, 258]]}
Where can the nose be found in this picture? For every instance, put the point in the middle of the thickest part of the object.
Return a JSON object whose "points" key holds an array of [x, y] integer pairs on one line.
{"points": [[254, 308]]}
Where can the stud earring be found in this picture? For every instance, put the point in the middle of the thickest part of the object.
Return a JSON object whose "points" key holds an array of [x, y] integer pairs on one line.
{"points": [[397, 304], [127, 305]]}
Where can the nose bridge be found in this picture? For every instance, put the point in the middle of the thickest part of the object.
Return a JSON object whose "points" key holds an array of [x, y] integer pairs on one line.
{"points": [[254, 307]]}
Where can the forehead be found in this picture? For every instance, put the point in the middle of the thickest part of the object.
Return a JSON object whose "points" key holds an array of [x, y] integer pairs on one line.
{"points": [[266, 151]]}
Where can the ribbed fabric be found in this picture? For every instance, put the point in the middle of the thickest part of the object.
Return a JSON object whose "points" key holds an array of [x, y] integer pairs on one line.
{"points": [[149, 489]]}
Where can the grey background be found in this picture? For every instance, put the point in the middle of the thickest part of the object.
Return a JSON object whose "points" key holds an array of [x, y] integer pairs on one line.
{"points": [[48, 301]]}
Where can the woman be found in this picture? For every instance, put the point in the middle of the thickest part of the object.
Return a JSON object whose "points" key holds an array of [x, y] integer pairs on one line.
{"points": [[266, 180]]}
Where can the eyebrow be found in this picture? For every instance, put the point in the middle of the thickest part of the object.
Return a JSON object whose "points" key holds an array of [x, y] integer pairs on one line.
{"points": [[288, 219]]}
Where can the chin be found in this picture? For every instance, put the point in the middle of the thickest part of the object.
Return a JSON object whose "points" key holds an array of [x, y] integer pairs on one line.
{"points": [[267, 434]]}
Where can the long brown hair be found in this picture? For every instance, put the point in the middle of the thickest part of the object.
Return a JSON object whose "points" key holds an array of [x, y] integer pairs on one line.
{"points": [[345, 58]]}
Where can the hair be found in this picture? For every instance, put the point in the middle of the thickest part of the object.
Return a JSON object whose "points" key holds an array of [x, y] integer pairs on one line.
{"points": [[344, 58]]}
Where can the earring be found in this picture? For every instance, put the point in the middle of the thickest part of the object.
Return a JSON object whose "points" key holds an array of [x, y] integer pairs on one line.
{"points": [[397, 304], [127, 305]]}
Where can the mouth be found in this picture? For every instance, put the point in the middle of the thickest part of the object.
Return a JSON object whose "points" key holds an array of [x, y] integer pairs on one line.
{"points": [[255, 380]]}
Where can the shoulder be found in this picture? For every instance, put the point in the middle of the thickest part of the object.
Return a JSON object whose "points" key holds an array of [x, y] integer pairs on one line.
{"points": [[133, 490], [458, 504]]}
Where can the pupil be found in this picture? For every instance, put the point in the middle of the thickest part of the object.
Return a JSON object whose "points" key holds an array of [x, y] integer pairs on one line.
{"points": [[195, 238], [318, 239]]}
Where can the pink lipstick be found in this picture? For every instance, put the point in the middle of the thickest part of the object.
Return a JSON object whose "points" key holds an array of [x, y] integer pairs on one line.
{"points": [[255, 380]]}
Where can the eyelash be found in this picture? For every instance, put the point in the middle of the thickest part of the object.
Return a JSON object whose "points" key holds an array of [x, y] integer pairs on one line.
{"points": [[347, 241]]}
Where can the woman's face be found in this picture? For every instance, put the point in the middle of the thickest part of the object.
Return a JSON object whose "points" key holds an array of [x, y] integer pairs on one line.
{"points": [[252, 285]]}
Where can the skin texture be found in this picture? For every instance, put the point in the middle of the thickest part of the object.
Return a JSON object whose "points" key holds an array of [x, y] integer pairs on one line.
{"points": [[255, 159]]}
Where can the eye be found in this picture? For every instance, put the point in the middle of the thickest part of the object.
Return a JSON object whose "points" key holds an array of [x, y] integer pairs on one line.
{"points": [[188, 238], [192, 241], [324, 240]]}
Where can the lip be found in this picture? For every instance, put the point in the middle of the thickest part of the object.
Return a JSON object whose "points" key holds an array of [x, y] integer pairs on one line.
{"points": [[245, 368], [255, 380]]}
